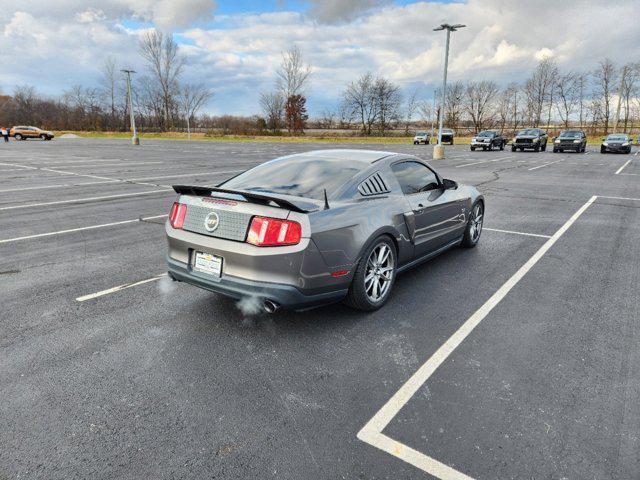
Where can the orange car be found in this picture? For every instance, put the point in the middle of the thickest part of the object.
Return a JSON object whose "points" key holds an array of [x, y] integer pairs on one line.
{"points": [[22, 133]]}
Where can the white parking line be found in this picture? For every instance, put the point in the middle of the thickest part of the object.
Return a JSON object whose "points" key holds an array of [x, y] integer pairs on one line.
{"points": [[620, 198], [109, 165], [102, 293], [372, 434], [82, 200], [545, 165], [485, 161], [118, 180], [627, 174], [622, 167], [80, 229], [517, 233]]}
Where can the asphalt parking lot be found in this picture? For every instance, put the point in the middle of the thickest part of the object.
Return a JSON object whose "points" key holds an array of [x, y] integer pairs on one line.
{"points": [[517, 359]]}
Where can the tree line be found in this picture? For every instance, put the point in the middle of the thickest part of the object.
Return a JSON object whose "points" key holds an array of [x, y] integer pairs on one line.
{"points": [[600, 100]]}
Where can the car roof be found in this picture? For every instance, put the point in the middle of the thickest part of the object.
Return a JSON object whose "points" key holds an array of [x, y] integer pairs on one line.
{"points": [[340, 155]]}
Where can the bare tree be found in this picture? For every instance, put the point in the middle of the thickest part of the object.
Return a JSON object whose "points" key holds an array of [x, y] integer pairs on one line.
{"points": [[582, 84], [480, 97], [454, 105], [293, 74], [568, 94], [387, 101], [165, 65], [539, 89], [109, 82], [358, 100], [273, 105], [192, 98], [410, 109], [507, 107], [628, 79], [605, 77]]}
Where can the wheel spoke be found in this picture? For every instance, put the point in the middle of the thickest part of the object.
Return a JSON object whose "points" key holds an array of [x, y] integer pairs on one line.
{"points": [[382, 254]]}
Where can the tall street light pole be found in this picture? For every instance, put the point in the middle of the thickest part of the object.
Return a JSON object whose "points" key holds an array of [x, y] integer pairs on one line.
{"points": [[134, 140], [438, 151]]}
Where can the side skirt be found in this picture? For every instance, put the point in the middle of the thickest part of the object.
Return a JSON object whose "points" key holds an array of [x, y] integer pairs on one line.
{"points": [[429, 256]]}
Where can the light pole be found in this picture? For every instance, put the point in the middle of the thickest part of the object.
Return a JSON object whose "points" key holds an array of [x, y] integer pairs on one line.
{"points": [[438, 151], [134, 140]]}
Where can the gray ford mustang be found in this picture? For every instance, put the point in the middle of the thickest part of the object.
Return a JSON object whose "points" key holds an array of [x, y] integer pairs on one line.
{"points": [[319, 227]]}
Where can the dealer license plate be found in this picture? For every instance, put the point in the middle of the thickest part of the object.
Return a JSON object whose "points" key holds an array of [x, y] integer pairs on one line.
{"points": [[211, 264]]}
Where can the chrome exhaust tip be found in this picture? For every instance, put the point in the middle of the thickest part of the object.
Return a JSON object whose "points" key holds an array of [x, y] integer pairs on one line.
{"points": [[270, 306]]}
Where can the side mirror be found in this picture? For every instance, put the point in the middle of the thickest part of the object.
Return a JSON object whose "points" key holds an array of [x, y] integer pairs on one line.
{"points": [[449, 184]]}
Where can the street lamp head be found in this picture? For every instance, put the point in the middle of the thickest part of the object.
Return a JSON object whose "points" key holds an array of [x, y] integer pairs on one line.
{"points": [[451, 28]]}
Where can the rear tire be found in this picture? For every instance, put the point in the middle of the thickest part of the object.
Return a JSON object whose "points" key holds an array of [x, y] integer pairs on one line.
{"points": [[502, 146], [513, 148], [474, 226], [374, 276]]}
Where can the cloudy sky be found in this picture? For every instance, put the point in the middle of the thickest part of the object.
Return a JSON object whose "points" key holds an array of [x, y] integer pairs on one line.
{"points": [[235, 46]]}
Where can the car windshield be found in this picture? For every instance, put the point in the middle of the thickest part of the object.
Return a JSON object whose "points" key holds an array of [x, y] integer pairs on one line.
{"points": [[571, 134], [300, 177], [447, 130], [617, 137], [529, 131], [420, 134], [485, 134]]}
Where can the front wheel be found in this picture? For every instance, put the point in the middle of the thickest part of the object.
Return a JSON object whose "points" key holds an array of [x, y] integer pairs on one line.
{"points": [[17, 136], [474, 226], [513, 148], [374, 276], [473, 149], [603, 150], [501, 146]]}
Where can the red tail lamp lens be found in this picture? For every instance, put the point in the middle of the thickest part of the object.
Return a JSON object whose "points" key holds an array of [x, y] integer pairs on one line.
{"points": [[272, 232], [178, 212]]}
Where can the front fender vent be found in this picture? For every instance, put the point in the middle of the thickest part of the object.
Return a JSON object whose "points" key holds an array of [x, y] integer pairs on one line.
{"points": [[373, 185]]}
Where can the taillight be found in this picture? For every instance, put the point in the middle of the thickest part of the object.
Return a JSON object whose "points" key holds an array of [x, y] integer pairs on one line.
{"points": [[272, 232], [178, 212]]}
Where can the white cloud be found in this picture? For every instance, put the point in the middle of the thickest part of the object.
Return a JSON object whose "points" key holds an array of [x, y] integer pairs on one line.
{"points": [[237, 55]]}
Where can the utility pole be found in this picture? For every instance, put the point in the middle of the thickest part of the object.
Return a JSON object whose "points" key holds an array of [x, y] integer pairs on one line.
{"points": [[438, 151], [134, 140]]}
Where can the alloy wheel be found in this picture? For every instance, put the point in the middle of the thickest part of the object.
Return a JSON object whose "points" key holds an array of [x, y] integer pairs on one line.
{"points": [[379, 272], [477, 216]]}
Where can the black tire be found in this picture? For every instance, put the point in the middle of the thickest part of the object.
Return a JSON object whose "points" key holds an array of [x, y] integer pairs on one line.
{"points": [[603, 150], [536, 148], [544, 147], [416, 143], [471, 237], [555, 150], [357, 297], [43, 137], [522, 149], [473, 149], [501, 146], [17, 136], [513, 148]]}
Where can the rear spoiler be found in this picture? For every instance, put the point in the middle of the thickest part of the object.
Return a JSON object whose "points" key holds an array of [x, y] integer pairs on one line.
{"points": [[285, 201]]}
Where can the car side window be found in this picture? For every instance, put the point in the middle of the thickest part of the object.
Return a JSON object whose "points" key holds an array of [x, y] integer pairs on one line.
{"points": [[414, 177]]}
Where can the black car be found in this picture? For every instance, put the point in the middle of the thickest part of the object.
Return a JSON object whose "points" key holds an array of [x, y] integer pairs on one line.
{"points": [[616, 142], [530, 138], [570, 140], [487, 140]]}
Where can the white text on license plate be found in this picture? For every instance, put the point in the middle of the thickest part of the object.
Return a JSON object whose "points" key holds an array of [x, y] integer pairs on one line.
{"points": [[211, 264]]}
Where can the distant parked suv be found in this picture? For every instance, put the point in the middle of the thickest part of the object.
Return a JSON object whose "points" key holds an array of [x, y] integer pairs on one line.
{"points": [[570, 140], [616, 142], [488, 139], [447, 136], [531, 138], [422, 137], [22, 133]]}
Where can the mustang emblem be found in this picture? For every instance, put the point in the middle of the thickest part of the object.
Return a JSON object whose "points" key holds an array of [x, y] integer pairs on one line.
{"points": [[211, 221]]}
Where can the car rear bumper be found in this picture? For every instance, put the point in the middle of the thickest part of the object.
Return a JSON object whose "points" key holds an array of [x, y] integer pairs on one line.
{"points": [[286, 296]]}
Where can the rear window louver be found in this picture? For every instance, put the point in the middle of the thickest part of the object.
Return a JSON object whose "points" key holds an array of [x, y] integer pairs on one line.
{"points": [[373, 185]]}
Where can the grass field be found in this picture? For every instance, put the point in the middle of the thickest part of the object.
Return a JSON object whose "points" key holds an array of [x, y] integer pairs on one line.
{"points": [[592, 140]]}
